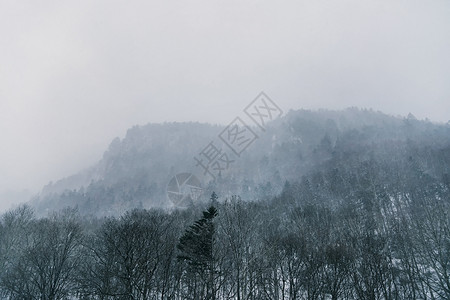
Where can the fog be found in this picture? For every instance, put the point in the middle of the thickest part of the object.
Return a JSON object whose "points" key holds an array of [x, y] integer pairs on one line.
{"points": [[76, 74]]}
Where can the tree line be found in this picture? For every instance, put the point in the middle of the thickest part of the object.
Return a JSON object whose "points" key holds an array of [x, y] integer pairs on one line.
{"points": [[361, 248]]}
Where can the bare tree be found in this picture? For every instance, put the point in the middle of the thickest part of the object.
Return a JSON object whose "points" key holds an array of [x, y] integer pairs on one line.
{"points": [[46, 269]]}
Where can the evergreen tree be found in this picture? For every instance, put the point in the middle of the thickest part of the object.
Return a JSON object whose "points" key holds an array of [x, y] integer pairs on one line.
{"points": [[196, 249], [196, 244]]}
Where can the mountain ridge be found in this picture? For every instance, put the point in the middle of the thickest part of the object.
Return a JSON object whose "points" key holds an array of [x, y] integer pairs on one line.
{"points": [[134, 171]]}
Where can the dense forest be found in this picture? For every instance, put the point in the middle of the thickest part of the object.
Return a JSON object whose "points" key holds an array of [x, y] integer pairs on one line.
{"points": [[326, 205], [370, 246]]}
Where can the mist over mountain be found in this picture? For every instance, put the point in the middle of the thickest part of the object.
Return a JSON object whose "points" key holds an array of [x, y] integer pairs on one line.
{"points": [[349, 204], [321, 156], [225, 196]]}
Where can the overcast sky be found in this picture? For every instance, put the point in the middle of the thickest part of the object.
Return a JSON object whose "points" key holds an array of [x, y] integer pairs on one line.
{"points": [[76, 74]]}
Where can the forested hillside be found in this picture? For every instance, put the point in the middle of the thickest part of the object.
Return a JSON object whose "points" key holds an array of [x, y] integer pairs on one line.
{"points": [[300, 147], [324, 205]]}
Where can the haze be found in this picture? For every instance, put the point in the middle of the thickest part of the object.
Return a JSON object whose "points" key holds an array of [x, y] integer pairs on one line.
{"points": [[76, 74]]}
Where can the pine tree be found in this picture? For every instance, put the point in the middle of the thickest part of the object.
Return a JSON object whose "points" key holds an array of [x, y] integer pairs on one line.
{"points": [[197, 242], [196, 249]]}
